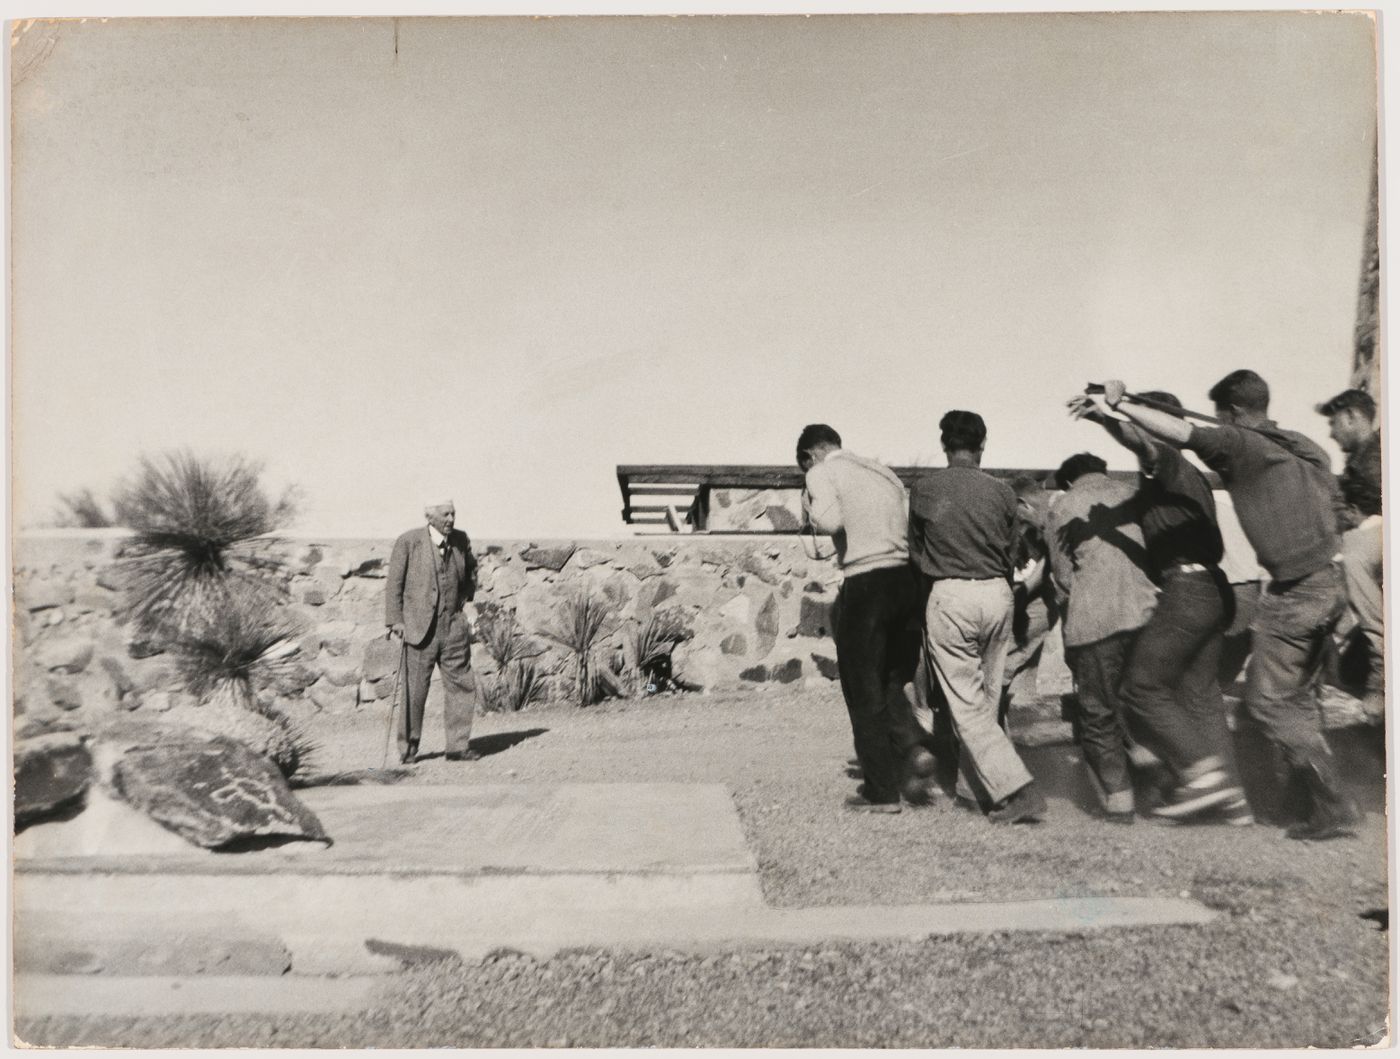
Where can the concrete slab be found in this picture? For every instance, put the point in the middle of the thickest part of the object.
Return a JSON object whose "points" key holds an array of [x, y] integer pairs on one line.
{"points": [[419, 873], [691, 930], [45, 995], [455, 830]]}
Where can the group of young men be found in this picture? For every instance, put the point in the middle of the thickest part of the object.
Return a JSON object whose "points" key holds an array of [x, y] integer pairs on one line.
{"points": [[986, 568]]}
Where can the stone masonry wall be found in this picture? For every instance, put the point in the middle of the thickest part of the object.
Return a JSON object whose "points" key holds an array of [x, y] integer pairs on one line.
{"points": [[759, 607]]}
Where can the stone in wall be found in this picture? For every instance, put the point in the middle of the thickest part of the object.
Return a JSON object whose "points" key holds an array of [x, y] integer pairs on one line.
{"points": [[334, 698], [754, 510], [583, 558], [815, 619], [547, 558], [340, 671], [381, 659], [752, 602], [69, 655], [826, 666], [766, 626]]}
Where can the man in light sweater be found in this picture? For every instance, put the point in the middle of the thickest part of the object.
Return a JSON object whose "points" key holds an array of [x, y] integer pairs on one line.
{"points": [[861, 504]]}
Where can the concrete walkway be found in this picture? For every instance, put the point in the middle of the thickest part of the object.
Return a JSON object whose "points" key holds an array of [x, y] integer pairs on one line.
{"points": [[421, 873]]}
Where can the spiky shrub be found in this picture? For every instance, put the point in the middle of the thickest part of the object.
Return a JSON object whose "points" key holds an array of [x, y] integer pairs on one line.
{"points": [[516, 686], [581, 626], [195, 523], [245, 645], [650, 645], [81, 509], [500, 633]]}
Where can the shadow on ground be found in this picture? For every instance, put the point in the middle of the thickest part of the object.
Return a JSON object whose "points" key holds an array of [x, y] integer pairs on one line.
{"points": [[1359, 751], [495, 743]]}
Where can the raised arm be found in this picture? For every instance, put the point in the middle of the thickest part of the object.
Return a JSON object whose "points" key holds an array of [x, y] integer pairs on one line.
{"points": [[1160, 424], [1133, 438]]}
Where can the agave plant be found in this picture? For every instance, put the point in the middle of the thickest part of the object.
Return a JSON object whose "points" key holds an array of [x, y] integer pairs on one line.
{"points": [[195, 521], [581, 626]]}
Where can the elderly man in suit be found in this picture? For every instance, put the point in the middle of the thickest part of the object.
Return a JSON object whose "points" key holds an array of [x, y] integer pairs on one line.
{"points": [[432, 574]]}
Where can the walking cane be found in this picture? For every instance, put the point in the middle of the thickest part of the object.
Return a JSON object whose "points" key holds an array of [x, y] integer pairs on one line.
{"points": [[394, 701]]}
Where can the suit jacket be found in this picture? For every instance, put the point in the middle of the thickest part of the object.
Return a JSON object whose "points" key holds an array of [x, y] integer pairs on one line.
{"points": [[411, 589]]}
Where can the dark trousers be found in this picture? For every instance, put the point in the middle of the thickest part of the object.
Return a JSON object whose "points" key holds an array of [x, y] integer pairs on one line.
{"points": [[1171, 691], [1291, 630], [448, 647], [871, 616], [1098, 672]]}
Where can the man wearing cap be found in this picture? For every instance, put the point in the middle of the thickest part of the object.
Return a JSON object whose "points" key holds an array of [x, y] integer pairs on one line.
{"points": [[961, 522], [432, 575], [1351, 418]]}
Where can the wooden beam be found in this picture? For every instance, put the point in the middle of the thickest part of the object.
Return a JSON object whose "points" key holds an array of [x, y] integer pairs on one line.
{"points": [[779, 476]]}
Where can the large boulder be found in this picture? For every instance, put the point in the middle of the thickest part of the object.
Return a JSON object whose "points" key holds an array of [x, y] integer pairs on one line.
{"points": [[209, 789], [269, 735], [52, 772]]}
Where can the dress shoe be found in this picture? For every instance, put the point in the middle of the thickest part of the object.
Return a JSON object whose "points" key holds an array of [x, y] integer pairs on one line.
{"points": [[463, 755], [410, 755]]}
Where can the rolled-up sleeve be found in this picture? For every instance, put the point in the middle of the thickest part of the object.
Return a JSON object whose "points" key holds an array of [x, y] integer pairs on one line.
{"points": [[1219, 447]]}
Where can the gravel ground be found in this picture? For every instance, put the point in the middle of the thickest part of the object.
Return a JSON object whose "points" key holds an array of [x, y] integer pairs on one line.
{"points": [[1293, 962]]}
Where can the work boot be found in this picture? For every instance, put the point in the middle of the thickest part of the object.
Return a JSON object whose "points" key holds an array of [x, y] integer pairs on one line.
{"points": [[1334, 815], [1025, 806]]}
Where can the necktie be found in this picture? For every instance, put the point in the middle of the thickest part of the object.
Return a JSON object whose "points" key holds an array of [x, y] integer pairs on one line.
{"points": [[446, 551]]}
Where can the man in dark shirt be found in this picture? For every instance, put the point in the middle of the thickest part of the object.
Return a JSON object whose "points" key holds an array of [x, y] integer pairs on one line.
{"points": [[1351, 416], [1170, 689], [960, 527], [1287, 502]]}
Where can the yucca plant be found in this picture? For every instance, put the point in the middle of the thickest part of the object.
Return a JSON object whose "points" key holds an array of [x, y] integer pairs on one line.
{"points": [[581, 626], [500, 633], [242, 646], [194, 522], [81, 509], [650, 645], [516, 686]]}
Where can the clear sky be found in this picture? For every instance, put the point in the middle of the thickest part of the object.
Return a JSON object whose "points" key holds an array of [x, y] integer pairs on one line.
{"points": [[495, 258]]}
